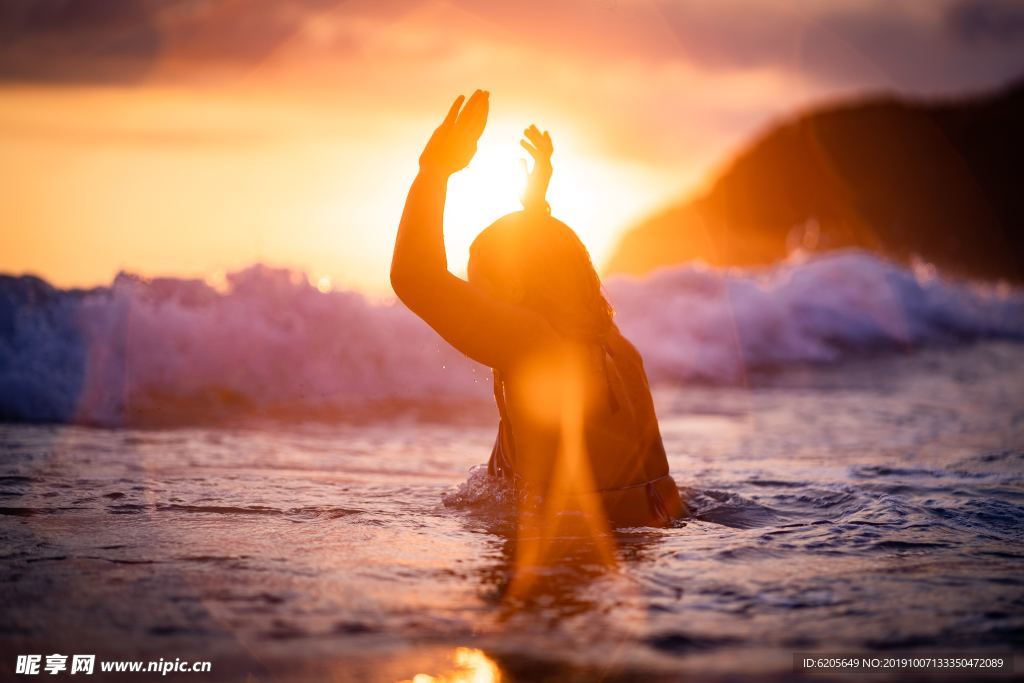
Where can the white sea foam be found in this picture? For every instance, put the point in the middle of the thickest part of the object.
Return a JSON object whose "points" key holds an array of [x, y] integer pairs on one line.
{"points": [[145, 349], [701, 323]]}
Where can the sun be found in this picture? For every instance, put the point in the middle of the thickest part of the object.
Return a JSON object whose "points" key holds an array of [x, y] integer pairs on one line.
{"points": [[596, 195], [486, 190], [492, 184]]}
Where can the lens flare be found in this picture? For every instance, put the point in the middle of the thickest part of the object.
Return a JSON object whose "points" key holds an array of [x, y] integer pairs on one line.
{"points": [[571, 517]]}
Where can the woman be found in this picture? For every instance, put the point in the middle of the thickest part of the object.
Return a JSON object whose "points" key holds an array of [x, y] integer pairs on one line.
{"points": [[577, 428]]}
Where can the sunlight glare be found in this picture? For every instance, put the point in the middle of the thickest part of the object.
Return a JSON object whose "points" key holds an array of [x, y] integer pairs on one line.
{"points": [[487, 190], [471, 666], [556, 391], [593, 194]]}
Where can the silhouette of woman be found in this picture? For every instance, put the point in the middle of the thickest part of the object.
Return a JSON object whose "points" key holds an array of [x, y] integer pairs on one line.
{"points": [[577, 421]]}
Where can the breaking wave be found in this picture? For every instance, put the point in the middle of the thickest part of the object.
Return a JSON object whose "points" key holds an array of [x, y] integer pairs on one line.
{"points": [[176, 350]]}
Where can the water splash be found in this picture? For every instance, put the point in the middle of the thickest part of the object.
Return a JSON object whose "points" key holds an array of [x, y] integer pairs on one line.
{"points": [[173, 350]]}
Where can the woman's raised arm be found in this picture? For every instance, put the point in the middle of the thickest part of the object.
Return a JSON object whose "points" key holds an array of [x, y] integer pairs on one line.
{"points": [[486, 329]]}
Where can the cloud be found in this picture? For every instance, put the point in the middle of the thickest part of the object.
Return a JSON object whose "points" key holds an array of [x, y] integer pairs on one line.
{"points": [[915, 46], [987, 21], [923, 45], [85, 41], [671, 80], [76, 40]]}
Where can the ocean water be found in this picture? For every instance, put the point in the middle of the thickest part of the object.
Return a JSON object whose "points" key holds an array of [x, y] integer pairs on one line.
{"points": [[168, 351], [853, 453]]}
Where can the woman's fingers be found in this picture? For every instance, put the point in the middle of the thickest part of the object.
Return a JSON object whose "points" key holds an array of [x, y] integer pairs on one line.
{"points": [[476, 113], [473, 118], [541, 141], [544, 142], [529, 148], [477, 103], [453, 143], [454, 111]]}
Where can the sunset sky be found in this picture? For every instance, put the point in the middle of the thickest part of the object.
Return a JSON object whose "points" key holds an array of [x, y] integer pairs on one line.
{"points": [[195, 137]]}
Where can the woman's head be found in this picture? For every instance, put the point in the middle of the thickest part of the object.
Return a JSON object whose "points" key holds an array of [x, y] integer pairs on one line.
{"points": [[535, 260]]}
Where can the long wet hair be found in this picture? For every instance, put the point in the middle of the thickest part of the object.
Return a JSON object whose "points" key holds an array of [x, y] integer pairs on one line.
{"points": [[547, 259]]}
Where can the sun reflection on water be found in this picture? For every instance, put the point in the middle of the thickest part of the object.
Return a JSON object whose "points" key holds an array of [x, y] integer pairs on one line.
{"points": [[470, 666]]}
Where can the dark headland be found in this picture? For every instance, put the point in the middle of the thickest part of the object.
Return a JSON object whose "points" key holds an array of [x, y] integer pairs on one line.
{"points": [[938, 180]]}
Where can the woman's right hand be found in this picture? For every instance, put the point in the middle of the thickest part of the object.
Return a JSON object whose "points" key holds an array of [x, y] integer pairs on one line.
{"points": [[453, 144]]}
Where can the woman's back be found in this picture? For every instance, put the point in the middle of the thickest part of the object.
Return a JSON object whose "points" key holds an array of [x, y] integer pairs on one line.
{"points": [[581, 418]]}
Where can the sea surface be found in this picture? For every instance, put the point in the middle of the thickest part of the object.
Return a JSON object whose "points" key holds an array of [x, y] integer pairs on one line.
{"points": [[873, 505], [280, 481]]}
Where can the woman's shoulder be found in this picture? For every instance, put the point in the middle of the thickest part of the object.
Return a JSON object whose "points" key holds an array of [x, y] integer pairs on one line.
{"points": [[624, 348]]}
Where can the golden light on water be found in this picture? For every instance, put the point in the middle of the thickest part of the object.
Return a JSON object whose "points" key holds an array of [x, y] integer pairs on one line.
{"points": [[469, 666], [571, 515]]}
